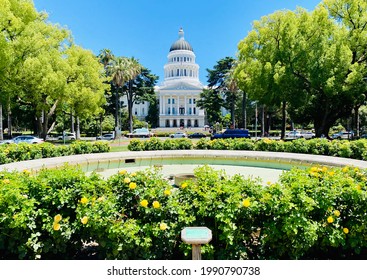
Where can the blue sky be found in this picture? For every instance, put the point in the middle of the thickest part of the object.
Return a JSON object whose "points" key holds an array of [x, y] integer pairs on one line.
{"points": [[145, 29]]}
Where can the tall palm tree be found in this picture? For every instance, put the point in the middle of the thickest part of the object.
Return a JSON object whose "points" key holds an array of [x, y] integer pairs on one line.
{"points": [[135, 70], [119, 71]]}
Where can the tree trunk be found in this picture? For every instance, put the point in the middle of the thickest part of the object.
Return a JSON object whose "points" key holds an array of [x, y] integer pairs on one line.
{"points": [[117, 110], [77, 128], [233, 121], [9, 122], [1, 122], [262, 120], [284, 119], [356, 120], [130, 106], [244, 111], [72, 128]]}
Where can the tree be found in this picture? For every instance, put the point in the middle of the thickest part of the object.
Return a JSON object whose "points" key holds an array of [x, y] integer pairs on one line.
{"points": [[212, 103], [303, 59], [85, 85], [220, 80]]}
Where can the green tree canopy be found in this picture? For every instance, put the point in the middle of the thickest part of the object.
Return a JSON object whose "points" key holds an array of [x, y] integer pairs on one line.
{"points": [[306, 59]]}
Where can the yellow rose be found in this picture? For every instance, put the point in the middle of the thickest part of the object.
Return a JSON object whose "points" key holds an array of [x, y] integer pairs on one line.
{"points": [[345, 169], [144, 203], [132, 185], [163, 226], [246, 202], [167, 192], [337, 213], [84, 200], [122, 172], [84, 220], [133, 174], [331, 173], [127, 180], [358, 187], [346, 230], [156, 204], [26, 171], [56, 226], [184, 185], [330, 219], [6, 181], [57, 218]]}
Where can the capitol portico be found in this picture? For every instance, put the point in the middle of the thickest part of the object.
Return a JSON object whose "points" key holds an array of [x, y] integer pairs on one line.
{"points": [[181, 88]]}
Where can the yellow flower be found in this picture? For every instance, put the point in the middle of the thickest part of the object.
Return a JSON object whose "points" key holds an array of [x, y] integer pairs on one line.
{"points": [[331, 173], [127, 180], [167, 192], [337, 213], [330, 219], [56, 226], [246, 202], [358, 187], [100, 198], [132, 185], [314, 169], [163, 226], [356, 169], [26, 171], [57, 218], [84, 200], [122, 172], [184, 185], [324, 169], [346, 230], [133, 174], [6, 181], [156, 204], [84, 220], [268, 183], [345, 169], [144, 203]]}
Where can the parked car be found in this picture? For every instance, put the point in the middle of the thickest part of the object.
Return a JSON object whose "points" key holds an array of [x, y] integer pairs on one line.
{"points": [[178, 134], [67, 136], [27, 139], [343, 135], [295, 134], [107, 137], [140, 132], [232, 133], [4, 142], [197, 135]]}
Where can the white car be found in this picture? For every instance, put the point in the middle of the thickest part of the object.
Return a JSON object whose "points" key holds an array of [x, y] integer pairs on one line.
{"points": [[107, 137], [178, 134], [140, 132], [27, 139], [295, 134], [3, 142], [67, 136]]}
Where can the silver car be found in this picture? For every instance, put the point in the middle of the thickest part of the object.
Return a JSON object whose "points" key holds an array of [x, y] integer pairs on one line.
{"points": [[27, 139], [178, 134]]}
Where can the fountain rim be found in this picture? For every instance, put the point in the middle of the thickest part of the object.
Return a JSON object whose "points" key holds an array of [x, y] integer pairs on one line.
{"points": [[281, 157]]}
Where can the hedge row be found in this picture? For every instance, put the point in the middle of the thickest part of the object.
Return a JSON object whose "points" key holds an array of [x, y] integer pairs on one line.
{"points": [[318, 213], [341, 148], [20, 152]]}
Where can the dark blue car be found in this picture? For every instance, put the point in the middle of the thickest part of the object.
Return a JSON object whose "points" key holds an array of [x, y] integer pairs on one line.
{"points": [[232, 133]]}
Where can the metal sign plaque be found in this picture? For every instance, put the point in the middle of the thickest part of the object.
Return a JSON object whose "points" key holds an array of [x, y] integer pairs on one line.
{"points": [[196, 235]]}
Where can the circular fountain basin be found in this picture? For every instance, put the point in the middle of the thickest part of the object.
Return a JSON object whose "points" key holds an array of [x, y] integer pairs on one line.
{"points": [[266, 165]]}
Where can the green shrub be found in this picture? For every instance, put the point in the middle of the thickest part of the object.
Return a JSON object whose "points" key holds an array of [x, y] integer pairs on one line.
{"points": [[317, 213]]}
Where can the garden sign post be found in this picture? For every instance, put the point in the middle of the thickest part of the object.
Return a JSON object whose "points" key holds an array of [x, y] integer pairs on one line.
{"points": [[196, 236]]}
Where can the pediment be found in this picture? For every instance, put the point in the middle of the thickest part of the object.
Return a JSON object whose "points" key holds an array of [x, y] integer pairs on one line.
{"points": [[181, 86]]}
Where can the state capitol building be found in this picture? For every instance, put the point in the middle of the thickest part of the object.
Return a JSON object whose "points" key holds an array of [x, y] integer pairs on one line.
{"points": [[180, 89]]}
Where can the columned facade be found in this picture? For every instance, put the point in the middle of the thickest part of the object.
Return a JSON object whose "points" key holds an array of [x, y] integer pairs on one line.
{"points": [[181, 88]]}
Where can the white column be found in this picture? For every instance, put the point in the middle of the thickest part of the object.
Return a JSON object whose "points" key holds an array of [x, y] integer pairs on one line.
{"points": [[185, 105], [163, 105], [178, 104], [171, 105]]}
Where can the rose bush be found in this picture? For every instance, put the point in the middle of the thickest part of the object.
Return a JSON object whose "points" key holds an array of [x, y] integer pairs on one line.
{"points": [[313, 213]]}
